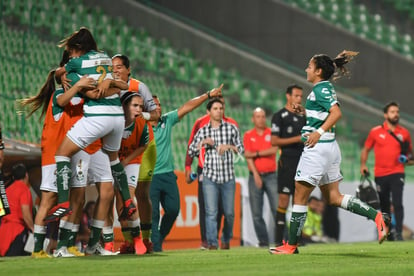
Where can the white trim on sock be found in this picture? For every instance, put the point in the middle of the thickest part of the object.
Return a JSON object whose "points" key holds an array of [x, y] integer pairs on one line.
{"points": [[133, 223], [345, 201], [299, 208], [62, 159], [107, 230], [40, 229], [75, 228], [98, 223], [116, 161]]}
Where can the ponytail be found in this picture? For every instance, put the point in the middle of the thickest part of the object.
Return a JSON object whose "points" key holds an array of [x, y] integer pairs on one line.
{"points": [[42, 99], [341, 59]]}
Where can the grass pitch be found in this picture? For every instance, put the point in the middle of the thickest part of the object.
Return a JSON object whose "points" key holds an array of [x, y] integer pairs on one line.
{"points": [[390, 258]]}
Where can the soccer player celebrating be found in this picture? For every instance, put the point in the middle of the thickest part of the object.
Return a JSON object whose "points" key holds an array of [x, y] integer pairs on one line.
{"points": [[319, 165]]}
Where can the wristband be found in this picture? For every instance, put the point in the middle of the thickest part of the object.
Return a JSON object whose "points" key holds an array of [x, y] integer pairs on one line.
{"points": [[2, 146], [257, 153], [208, 94], [146, 116], [320, 131]]}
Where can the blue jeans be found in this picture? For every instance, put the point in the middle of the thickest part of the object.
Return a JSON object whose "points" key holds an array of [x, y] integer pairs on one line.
{"points": [[212, 192], [256, 196]]}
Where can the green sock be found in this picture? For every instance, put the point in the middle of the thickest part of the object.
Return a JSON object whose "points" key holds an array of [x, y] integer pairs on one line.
{"points": [[39, 237], [146, 230], [356, 206], [126, 232], [65, 230], [73, 235], [96, 230], [120, 178], [63, 174], [108, 234], [299, 213]]}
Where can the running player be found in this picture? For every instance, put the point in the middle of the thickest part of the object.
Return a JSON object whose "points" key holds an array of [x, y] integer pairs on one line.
{"points": [[319, 165]]}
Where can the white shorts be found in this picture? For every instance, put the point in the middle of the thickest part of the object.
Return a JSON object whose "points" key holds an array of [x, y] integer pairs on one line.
{"points": [[132, 172], [100, 168], [90, 168], [49, 178], [320, 165], [88, 129]]}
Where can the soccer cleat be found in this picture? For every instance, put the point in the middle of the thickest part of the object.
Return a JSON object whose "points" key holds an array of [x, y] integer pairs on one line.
{"points": [[62, 253], [139, 246], [40, 255], [286, 248], [97, 249], [382, 220], [75, 251], [109, 246], [57, 212], [128, 210], [126, 248], [148, 244]]}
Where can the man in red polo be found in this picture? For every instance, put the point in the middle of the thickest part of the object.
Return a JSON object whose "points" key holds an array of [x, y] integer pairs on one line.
{"points": [[261, 162], [393, 151]]}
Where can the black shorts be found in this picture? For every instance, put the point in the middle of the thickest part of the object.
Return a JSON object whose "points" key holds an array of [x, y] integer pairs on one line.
{"points": [[286, 171]]}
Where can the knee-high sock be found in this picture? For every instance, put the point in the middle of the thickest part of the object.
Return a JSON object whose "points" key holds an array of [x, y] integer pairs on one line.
{"points": [[299, 214], [63, 174], [120, 178], [359, 207]]}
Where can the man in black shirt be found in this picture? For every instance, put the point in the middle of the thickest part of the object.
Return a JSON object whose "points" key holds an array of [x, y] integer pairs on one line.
{"points": [[286, 134]]}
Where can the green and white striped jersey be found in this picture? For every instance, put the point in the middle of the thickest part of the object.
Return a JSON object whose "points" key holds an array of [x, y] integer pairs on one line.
{"points": [[57, 111], [97, 65], [318, 103]]}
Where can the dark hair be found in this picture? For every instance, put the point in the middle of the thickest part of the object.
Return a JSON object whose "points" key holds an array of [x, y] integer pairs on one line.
{"points": [[329, 66], [313, 198], [388, 105], [124, 58], [42, 99], [127, 97], [213, 101], [81, 40], [290, 88], [19, 171]]}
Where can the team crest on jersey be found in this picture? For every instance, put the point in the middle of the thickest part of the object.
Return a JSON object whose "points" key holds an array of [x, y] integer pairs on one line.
{"points": [[289, 129], [267, 138], [275, 128]]}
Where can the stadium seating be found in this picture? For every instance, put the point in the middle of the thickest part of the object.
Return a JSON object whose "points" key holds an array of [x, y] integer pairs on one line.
{"points": [[175, 75], [357, 19]]}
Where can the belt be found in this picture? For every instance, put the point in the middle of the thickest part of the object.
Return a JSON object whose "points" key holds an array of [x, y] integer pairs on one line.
{"points": [[264, 173]]}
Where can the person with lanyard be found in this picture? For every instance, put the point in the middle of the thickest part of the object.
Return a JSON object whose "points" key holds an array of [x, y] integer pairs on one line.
{"points": [[393, 151]]}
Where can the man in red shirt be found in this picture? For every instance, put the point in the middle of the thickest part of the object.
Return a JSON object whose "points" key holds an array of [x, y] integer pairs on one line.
{"points": [[393, 150], [261, 161], [199, 123], [14, 227]]}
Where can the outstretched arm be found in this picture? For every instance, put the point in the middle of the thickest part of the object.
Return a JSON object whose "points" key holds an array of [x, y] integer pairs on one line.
{"points": [[197, 101]]}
